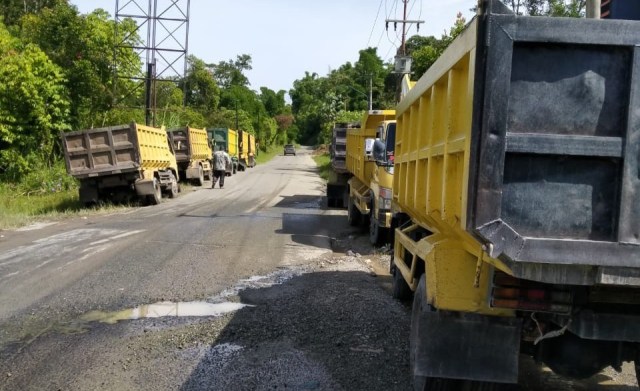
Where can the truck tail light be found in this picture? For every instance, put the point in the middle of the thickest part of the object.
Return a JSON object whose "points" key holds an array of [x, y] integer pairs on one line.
{"points": [[513, 293], [384, 199]]}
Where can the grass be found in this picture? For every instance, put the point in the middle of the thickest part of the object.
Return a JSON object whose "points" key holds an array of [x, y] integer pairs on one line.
{"points": [[272, 151], [324, 164], [19, 209]]}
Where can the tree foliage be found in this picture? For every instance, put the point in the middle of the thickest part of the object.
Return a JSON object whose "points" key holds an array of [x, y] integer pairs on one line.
{"points": [[566, 8], [34, 106]]}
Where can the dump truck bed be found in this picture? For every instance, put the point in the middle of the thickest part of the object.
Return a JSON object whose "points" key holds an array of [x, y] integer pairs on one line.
{"points": [[527, 139], [115, 150], [190, 144], [357, 163]]}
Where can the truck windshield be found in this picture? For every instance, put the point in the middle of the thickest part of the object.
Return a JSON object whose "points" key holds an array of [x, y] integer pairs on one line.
{"points": [[390, 141]]}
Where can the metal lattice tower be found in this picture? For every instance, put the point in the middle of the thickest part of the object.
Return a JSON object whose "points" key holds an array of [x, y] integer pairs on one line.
{"points": [[163, 28]]}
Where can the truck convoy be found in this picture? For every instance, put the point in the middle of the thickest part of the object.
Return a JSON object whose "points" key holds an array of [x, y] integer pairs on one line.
{"points": [[193, 153], [119, 162], [369, 187], [226, 139], [516, 192]]}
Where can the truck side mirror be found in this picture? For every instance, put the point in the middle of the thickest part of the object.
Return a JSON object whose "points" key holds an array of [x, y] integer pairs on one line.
{"points": [[379, 151], [368, 147]]}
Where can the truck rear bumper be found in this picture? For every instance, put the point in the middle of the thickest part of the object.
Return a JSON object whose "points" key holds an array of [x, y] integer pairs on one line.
{"points": [[468, 346]]}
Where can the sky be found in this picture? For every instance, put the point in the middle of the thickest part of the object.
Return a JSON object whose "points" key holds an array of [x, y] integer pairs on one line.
{"points": [[285, 38]]}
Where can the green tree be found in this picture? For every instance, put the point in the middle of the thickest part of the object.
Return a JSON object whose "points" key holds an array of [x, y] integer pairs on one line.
{"points": [[83, 45], [424, 51], [567, 8], [12, 10], [231, 73], [202, 92], [272, 101], [33, 107]]}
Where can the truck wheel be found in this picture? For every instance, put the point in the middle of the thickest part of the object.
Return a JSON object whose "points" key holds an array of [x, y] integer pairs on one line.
{"points": [[173, 187], [400, 289], [200, 180], [377, 235], [353, 214], [156, 197]]}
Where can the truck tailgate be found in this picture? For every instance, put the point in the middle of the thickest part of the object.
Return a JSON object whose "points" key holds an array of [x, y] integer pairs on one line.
{"points": [[102, 151]]}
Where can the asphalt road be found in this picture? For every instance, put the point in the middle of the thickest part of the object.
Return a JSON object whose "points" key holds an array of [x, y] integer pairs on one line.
{"points": [[249, 287]]}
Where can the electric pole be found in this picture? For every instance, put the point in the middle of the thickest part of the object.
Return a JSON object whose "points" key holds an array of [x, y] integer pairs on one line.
{"points": [[402, 51], [403, 61]]}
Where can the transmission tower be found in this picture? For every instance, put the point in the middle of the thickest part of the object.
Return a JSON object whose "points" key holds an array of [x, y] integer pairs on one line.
{"points": [[163, 29]]}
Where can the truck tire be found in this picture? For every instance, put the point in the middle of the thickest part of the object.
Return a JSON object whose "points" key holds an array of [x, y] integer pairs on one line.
{"points": [[156, 197], [200, 179], [353, 214], [377, 235], [400, 289], [173, 187]]}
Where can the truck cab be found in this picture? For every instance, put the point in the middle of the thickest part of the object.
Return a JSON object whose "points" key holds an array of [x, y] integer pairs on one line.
{"points": [[370, 161]]}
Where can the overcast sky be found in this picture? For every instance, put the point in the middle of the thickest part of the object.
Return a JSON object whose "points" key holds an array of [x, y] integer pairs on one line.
{"points": [[285, 38]]}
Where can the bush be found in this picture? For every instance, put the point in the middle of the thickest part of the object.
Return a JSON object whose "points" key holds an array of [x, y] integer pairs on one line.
{"points": [[45, 179]]}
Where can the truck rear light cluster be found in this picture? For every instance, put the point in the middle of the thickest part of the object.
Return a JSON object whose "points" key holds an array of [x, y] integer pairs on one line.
{"points": [[513, 293], [384, 200]]}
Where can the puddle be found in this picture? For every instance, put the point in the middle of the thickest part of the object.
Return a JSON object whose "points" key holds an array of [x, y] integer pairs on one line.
{"points": [[164, 309], [217, 305]]}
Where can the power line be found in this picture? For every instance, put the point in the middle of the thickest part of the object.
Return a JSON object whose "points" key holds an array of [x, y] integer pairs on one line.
{"points": [[374, 23]]}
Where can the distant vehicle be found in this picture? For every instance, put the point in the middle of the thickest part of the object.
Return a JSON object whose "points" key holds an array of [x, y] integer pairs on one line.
{"points": [[289, 149]]}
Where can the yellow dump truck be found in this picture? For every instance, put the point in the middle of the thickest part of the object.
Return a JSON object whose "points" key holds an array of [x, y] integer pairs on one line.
{"points": [[119, 162], [253, 152], [193, 153], [247, 146], [370, 186], [517, 196]]}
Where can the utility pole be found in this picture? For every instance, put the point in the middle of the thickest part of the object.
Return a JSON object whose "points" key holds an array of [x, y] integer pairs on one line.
{"points": [[403, 61], [370, 92], [402, 51]]}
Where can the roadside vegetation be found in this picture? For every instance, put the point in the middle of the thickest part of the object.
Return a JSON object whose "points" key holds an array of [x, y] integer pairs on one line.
{"points": [[323, 161]]}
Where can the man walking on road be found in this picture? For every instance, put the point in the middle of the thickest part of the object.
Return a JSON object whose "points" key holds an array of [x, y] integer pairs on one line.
{"points": [[220, 161]]}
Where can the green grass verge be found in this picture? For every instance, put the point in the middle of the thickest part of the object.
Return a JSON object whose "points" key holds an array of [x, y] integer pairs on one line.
{"points": [[19, 209], [272, 151], [324, 164]]}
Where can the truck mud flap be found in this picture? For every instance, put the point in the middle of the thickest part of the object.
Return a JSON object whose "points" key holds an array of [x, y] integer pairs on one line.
{"points": [[193, 172], [144, 187], [468, 346]]}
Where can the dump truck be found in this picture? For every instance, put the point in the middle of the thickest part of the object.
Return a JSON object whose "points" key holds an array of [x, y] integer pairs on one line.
{"points": [[371, 179], [118, 163], [253, 152], [337, 186], [516, 194], [193, 154], [226, 139], [246, 148]]}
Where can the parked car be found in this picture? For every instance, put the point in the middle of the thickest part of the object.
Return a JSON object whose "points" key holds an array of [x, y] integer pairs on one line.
{"points": [[289, 149]]}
